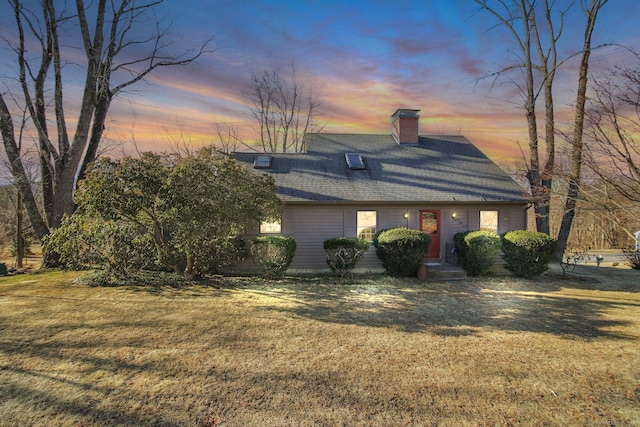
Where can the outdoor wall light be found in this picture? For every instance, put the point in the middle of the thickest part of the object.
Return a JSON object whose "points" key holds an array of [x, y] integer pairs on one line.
{"points": [[453, 215], [406, 215]]}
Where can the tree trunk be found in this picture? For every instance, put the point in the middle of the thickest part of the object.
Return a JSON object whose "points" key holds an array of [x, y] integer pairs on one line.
{"points": [[546, 178], [18, 172], [578, 130], [38, 49], [19, 234]]}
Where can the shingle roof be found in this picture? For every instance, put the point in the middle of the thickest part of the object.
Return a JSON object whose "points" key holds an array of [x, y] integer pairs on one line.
{"points": [[437, 169]]}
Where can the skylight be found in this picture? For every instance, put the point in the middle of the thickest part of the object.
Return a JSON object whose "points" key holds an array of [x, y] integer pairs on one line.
{"points": [[262, 162], [354, 160]]}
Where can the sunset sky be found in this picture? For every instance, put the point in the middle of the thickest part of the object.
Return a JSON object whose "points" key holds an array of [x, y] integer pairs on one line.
{"points": [[363, 59]]}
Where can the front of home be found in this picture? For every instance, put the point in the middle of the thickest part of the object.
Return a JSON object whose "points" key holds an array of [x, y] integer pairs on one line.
{"points": [[354, 185]]}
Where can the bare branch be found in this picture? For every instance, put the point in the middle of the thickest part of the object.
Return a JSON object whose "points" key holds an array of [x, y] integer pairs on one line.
{"points": [[283, 110], [116, 55]]}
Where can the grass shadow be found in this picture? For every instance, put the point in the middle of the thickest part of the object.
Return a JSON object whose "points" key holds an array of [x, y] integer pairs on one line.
{"points": [[453, 308]]}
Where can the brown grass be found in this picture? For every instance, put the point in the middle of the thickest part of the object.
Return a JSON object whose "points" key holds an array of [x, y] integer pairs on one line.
{"points": [[316, 351]]}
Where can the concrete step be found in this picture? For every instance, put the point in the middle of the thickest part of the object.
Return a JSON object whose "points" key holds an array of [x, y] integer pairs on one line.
{"points": [[445, 271]]}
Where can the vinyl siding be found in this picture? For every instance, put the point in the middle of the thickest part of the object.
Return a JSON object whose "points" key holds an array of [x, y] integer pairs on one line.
{"points": [[311, 225], [311, 228]]}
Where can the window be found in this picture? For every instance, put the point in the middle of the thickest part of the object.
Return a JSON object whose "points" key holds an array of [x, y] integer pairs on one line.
{"points": [[270, 227], [262, 162], [366, 225], [489, 221], [354, 161]]}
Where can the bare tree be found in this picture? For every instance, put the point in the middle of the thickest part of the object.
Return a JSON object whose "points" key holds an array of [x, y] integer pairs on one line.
{"points": [[115, 57], [612, 126], [228, 136], [537, 40], [591, 12], [610, 212], [283, 110], [612, 150], [534, 36], [15, 200]]}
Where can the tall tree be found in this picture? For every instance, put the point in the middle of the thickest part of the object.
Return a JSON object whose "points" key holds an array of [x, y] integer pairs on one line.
{"points": [[612, 128], [116, 56], [19, 240], [537, 39], [591, 12], [612, 149], [283, 109]]}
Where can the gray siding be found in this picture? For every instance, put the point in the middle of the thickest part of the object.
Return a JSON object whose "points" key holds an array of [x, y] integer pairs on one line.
{"points": [[311, 228], [311, 225]]}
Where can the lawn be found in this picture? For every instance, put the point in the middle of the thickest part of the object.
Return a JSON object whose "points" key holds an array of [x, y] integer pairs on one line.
{"points": [[322, 352]]}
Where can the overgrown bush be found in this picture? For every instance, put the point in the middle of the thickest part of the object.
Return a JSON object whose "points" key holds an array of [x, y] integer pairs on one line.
{"points": [[344, 252], [135, 278], [190, 207], [482, 247], [273, 254], [633, 257], [527, 253], [83, 242], [226, 253], [121, 247], [402, 250], [461, 245]]}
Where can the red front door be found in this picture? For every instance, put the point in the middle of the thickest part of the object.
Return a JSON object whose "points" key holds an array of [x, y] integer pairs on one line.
{"points": [[430, 224]]}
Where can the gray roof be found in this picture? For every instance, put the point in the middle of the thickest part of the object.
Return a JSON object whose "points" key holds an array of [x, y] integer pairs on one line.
{"points": [[437, 169]]}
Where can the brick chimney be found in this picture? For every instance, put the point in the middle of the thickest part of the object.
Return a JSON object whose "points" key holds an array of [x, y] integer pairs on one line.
{"points": [[404, 126]]}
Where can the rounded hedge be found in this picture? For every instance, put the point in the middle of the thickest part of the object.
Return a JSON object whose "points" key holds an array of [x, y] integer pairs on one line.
{"points": [[273, 254], [374, 241], [527, 253], [402, 250], [346, 242], [344, 252], [482, 247]]}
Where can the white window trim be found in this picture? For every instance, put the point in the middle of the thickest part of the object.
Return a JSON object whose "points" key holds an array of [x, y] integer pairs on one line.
{"points": [[270, 227], [497, 213], [360, 229]]}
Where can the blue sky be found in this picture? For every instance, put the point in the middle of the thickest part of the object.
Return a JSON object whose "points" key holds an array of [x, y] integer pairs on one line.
{"points": [[364, 59]]}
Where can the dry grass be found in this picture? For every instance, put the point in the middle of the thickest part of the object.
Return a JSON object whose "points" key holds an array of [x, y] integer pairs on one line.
{"points": [[313, 351]]}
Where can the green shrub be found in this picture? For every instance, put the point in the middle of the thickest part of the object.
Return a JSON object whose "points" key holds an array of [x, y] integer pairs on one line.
{"points": [[344, 252], [527, 253], [273, 254], [226, 253], [460, 245], [374, 241], [83, 242], [135, 278], [402, 250], [482, 247]]}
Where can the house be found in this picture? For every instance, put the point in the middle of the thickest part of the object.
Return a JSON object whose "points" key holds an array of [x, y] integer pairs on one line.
{"points": [[353, 185]]}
